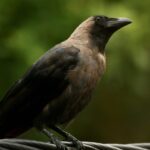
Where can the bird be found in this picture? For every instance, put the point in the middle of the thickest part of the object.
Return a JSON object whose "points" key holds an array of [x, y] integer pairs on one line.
{"points": [[60, 83]]}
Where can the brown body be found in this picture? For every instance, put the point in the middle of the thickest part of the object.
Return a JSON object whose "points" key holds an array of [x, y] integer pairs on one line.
{"points": [[61, 82], [82, 82]]}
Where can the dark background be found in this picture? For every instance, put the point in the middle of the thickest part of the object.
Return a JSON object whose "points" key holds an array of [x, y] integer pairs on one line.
{"points": [[120, 110]]}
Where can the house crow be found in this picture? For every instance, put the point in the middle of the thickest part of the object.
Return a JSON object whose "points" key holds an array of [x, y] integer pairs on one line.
{"points": [[60, 83]]}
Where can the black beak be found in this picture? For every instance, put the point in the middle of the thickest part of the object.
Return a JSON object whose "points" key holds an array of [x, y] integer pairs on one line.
{"points": [[117, 23]]}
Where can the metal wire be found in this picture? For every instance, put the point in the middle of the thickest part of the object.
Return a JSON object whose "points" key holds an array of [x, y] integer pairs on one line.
{"points": [[21, 144]]}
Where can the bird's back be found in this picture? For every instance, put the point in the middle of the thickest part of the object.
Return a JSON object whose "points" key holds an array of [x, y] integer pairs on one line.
{"points": [[45, 81]]}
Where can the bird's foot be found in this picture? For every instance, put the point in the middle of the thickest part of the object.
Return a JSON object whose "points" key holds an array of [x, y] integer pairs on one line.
{"points": [[60, 145], [78, 144], [54, 140]]}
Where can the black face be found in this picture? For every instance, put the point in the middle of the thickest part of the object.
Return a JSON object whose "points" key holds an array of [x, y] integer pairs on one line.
{"points": [[104, 22], [104, 27], [100, 21]]}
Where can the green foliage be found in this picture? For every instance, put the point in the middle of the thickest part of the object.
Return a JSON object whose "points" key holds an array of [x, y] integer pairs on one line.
{"points": [[120, 108]]}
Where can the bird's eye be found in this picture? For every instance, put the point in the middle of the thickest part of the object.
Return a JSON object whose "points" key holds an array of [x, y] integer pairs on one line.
{"points": [[100, 19]]}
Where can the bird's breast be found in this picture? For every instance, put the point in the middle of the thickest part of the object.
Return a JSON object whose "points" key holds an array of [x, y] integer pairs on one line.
{"points": [[82, 81], [89, 70]]}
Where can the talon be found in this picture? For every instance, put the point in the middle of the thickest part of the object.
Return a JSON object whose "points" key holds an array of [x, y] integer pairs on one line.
{"points": [[54, 140], [79, 145], [60, 146]]}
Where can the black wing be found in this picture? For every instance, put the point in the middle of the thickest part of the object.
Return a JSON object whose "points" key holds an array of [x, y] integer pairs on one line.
{"points": [[45, 81]]}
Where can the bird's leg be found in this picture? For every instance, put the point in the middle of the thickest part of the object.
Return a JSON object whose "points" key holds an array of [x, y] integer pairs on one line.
{"points": [[54, 140], [69, 137]]}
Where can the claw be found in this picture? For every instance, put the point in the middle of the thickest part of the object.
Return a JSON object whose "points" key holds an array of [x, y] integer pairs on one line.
{"points": [[60, 145], [78, 144], [54, 140]]}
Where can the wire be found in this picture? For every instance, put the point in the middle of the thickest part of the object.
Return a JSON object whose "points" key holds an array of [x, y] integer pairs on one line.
{"points": [[21, 144]]}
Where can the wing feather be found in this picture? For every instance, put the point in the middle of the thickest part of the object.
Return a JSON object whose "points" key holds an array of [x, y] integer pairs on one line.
{"points": [[45, 81]]}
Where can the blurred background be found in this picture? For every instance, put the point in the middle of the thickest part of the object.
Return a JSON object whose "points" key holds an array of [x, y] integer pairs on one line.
{"points": [[120, 109]]}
